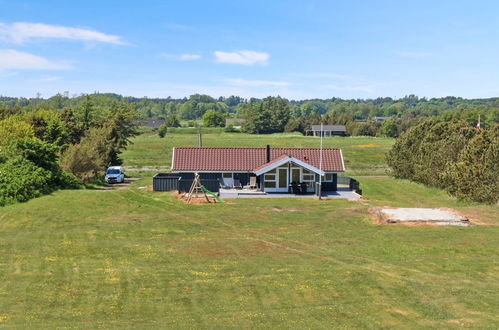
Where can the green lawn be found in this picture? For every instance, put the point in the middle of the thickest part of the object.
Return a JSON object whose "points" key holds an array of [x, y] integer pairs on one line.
{"points": [[139, 259], [363, 155]]}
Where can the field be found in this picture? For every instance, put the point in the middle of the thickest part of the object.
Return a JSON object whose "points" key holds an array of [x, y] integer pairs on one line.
{"points": [[138, 259], [363, 155]]}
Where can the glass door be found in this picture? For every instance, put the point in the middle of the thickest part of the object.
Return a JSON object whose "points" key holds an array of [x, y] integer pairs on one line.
{"points": [[283, 179]]}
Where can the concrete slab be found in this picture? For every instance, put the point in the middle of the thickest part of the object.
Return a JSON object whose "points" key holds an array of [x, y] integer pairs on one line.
{"points": [[435, 216], [346, 194]]}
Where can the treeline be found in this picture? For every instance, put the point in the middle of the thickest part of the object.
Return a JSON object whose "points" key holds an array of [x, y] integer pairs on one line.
{"points": [[452, 156], [42, 150], [195, 106]]}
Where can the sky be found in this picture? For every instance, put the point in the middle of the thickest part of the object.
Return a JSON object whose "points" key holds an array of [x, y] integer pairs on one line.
{"points": [[295, 49]]}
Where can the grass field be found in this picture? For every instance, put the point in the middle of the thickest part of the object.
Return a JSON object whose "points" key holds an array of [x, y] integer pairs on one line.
{"points": [[363, 155], [139, 259]]}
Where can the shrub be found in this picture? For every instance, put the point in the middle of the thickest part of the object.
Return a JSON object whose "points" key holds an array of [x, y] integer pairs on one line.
{"points": [[89, 159], [21, 180], [230, 129], [12, 129], [212, 118], [474, 175], [162, 131]]}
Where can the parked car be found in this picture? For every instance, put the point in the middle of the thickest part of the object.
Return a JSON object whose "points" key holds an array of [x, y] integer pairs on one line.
{"points": [[115, 174]]}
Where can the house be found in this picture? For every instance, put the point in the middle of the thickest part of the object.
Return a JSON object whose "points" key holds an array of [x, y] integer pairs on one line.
{"points": [[154, 124], [234, 122], [381, 119], [328, 130], [276, 169]]}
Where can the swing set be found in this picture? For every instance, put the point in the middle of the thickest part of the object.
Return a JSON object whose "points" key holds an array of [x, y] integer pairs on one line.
{"points": [[197, 190]]}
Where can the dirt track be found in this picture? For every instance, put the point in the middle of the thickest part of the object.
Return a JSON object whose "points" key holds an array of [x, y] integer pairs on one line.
{"points": [[120, 186]]}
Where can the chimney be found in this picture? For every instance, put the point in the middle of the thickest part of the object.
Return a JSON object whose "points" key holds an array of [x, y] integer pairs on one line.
{"points": [[268, 153]]}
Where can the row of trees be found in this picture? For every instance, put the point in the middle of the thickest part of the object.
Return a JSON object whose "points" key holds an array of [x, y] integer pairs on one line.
{"points": [[195, 106], [44, 150], [450, 155]]}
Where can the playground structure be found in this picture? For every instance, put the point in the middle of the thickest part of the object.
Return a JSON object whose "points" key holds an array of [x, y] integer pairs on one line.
{"points": [[197, 191]]}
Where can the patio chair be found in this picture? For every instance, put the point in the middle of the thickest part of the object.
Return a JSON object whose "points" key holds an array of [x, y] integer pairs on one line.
{"points": [[295, 188], [252, 183], [226, 183], [237, 184], [303, 188]]}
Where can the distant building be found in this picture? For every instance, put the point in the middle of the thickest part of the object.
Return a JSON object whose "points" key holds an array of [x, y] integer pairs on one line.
{"points": [[381, 119], [235, 122], [327, 130], [153, 124]]}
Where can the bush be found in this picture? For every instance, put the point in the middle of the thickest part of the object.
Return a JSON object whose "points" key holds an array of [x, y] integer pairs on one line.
{"points": [[21, 180], [450, 155], [162, 131], [89, 159], [12, 129], [230, 129], [212, 118], [474, 175], [172, 121]]}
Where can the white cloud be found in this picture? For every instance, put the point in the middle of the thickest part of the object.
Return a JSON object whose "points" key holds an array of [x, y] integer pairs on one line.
{"points": [[413, 54], [49, 78], [21, 32], [365, 89], [256, 83], [245, 57], [182, 57], [324, 76], [189, 57], [11, 59]]}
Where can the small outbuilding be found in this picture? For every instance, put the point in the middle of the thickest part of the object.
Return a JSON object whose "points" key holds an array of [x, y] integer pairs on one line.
{"points": [[153, 124], [327, 130]]}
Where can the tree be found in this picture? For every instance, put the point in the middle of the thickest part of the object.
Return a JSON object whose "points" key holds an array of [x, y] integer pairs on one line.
{"points": [[88, 159], [269, 116], [474, 175], [86, 113], [172, 121], [119, 129], [12, 129], [403, 156], [212, 118], [162, 131], [390, 128]]}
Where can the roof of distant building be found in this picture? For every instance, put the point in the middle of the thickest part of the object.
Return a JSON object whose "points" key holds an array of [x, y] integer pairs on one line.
{"points": [[335, 128]]}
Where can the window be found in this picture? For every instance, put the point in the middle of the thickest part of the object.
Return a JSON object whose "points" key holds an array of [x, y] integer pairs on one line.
{"points": [[269, 184], [270, 180], [328, 177], [269, 177], [308, 177], [295, 175], [227, 175]]}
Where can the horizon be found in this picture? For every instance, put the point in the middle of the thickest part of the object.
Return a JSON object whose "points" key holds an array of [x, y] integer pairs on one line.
{"points": [[163, 98], [297, 50]]}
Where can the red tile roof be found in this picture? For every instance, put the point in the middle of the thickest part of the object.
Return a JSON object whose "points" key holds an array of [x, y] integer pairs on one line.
{"points": [[275, 160], [191, 159]]}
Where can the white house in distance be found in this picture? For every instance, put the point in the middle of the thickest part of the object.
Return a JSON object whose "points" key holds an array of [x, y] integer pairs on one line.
{"points": [[327, 130]]}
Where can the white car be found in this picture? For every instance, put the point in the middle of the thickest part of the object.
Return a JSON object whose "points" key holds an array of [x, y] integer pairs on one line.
{"points": [[115, 174]]}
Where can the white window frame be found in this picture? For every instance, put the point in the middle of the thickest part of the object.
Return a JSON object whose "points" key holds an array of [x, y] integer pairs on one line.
{"points": [[324, 177]]}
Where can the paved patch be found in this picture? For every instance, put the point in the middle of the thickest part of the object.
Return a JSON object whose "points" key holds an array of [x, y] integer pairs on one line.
{"points": [[344, 193], [441, 217]]}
